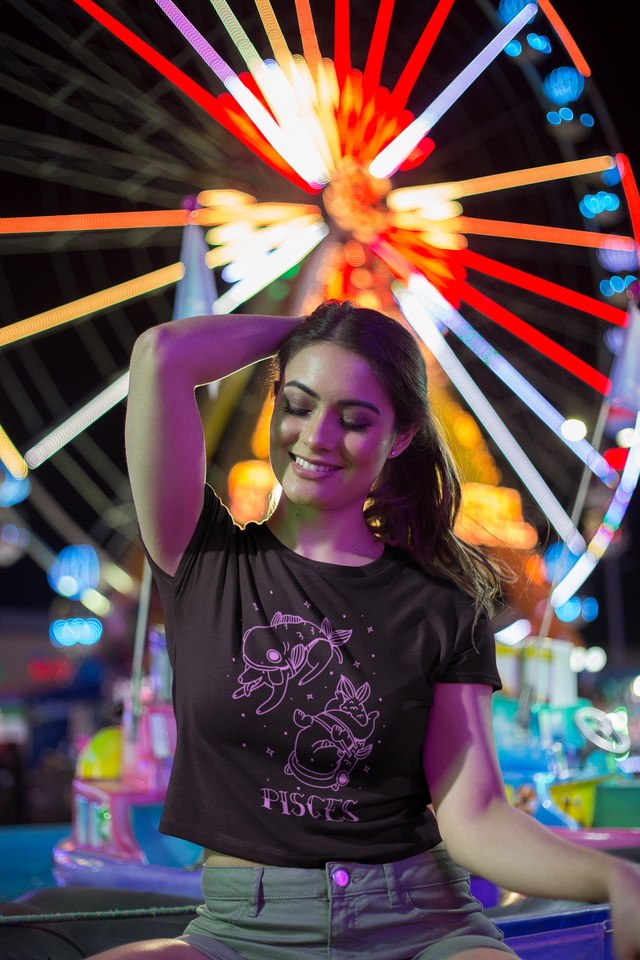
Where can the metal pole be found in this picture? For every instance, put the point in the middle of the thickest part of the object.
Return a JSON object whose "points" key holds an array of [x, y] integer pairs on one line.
{"points": [[138, 648]]}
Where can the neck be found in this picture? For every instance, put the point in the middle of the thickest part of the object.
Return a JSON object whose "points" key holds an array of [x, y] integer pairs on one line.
{"points": [[330, 536]]}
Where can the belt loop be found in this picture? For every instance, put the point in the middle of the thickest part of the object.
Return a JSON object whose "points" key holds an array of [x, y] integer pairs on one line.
{"points": [[392, 886], [254, 893]]}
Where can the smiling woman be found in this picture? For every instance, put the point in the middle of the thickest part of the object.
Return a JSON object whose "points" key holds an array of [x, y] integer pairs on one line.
{"points": [[333, 665]]}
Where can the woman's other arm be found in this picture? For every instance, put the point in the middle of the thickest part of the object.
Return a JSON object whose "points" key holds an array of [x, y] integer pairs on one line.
{"points": [[487, 836], [164, 439]]}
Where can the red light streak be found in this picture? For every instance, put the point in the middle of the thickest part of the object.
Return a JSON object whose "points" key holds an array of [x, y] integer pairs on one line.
{"points": [[534, 338], [553, 291], [377, 47], [217, 108], [417, 60], [566, 39], [342, 52], [630, 191]]}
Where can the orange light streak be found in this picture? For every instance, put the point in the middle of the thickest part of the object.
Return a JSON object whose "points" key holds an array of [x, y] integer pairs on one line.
{"points": [[630, 191], [566, 39], [254, 213], [371, 78], [11, 457], [95, 221], [553, 291], [407, 198], [534, 338], [92, 304], [308, 34], [225, 198], [342, 52], [506, 228], [276, 37]]}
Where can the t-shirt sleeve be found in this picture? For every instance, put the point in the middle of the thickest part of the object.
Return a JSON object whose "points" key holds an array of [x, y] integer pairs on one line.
{"points": [[473, 658], [212, 534]]}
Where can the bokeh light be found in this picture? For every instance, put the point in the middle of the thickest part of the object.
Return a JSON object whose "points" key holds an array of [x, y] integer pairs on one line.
{"points": [[75, 570], [563, 85], [539, 43], [569, 611], [616, 256], [574, 430], [66, 633], [508, 9], [566, 113], [513, 49], [589, 609], [614, 339], [626, 437], [12, 491], [558, 561], [595, 660], [591, 205], [587, 120]]}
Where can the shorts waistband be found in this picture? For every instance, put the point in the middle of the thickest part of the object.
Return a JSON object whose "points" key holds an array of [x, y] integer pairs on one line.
{"points": [[339, 879]]}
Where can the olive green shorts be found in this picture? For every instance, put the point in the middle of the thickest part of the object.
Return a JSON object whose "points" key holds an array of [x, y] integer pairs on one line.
{"points": [[414, 909]]}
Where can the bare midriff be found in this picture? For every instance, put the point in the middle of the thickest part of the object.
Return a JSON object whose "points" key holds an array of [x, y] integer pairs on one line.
{"points": [[214, 859]]}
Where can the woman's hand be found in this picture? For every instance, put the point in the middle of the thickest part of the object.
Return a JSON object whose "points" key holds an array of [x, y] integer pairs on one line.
{"points": [[623, 892]]}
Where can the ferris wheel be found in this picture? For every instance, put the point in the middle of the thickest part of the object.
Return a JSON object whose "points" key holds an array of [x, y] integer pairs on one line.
{"points": [[453, 166]]}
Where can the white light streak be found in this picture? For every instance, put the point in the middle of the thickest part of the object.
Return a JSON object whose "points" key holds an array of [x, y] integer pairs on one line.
{"points": [[78, 422], [96, 602], [395, 153], [276, 263], [514, 633], [289, 148], [418, 315], [443, 311], [603, 535]]}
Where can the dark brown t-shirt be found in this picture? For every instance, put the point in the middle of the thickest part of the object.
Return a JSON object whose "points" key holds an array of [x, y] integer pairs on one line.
{"points": [[302, 693]]}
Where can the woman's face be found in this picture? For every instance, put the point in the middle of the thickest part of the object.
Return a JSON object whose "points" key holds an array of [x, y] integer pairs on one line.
{"points": [[333, 428]]}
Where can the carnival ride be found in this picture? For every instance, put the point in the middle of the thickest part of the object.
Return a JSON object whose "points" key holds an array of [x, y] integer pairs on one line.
{"points": [[334, 132]]}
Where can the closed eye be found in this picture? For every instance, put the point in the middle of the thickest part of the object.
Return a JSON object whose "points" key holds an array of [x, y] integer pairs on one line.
{"points": [[302, 413]]}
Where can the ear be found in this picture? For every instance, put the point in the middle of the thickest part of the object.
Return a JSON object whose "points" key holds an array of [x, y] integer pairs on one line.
{"points": [[276, 387], [402, 441]]}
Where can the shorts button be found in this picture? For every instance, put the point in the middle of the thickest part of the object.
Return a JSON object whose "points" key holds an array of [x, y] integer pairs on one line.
{"points": [[341, 877]]}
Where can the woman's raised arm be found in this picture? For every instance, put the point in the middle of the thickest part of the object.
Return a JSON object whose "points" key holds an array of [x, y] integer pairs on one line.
{"points": [[164, 439]]}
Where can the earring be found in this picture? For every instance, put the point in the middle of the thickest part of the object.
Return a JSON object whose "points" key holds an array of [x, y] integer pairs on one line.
{"points": [[393, 453]]}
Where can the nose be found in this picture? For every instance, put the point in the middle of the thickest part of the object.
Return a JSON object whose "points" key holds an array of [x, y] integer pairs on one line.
{"points": [[319, 432]]}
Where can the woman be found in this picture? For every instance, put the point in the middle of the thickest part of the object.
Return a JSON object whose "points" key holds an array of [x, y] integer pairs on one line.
{"points": [[310, 651]]}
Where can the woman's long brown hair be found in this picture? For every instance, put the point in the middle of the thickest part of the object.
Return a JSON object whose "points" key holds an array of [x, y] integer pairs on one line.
{"points": [[416, 498]]}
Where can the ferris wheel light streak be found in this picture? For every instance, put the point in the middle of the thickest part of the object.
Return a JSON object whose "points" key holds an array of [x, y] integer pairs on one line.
{"points": [[11, 458], [513, 379], [630, 191], [409, 198], [512, 230], [417, 60], [553, 291], [276, 38], [239, 126], [276, 263], [342, 54], [418, 312], [287, 146], [534, 338], [371, 75], [395, 153], [603, 535], [254, 213], [308, 35], [95, 221], [260, 241], [78, 422], [272, 82], [566, 39], [91, 304]]}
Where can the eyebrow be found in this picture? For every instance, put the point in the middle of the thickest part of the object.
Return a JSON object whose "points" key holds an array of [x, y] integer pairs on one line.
{"points": [[352, 402]]}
